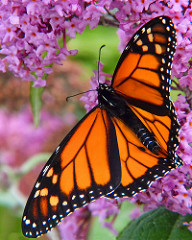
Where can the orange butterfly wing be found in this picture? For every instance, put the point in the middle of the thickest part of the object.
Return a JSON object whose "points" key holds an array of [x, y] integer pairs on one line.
{"points": [[142, 77], [84, 167], [139, 166]]}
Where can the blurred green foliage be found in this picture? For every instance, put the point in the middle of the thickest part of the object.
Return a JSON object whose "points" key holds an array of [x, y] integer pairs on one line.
{"points": [[88, 45], [10, 225]]}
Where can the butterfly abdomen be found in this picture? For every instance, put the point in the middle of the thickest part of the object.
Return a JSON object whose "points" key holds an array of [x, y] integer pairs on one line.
{"points": [[117, 107]]}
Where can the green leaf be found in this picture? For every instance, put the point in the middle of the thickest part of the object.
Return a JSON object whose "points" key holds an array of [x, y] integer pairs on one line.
{"points": [[95, 39], [36, 102], [158, 224]]}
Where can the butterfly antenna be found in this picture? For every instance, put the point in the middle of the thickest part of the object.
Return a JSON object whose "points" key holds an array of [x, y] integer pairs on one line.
{"points": [[99, 60], [67, 98]]}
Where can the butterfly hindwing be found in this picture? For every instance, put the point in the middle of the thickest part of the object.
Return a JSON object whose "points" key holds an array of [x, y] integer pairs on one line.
{"points": [[164, 128], [140, 167], [84, 167]]}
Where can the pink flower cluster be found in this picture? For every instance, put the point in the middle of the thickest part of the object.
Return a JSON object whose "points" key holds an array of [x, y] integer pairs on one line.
{"points": [[20, 139], [30, 30], [76, 225]]}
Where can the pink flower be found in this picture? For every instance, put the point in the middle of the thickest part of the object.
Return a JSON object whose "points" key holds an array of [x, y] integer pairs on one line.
{"points": [[75, 26], [181, 107], [92, 15], [189, 224], [75, 226], [104, 208], [135, 213]]}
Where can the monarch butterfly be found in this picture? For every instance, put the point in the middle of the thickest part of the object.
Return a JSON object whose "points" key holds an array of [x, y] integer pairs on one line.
{"points": [[123, 144]]}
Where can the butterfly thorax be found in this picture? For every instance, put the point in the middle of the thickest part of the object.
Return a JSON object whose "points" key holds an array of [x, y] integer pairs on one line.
{"points": [[119, 108], [108, 99]]}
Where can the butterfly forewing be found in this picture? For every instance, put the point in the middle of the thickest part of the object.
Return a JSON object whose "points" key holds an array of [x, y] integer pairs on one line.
{"points": [[84, 167], [142, 74]]}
